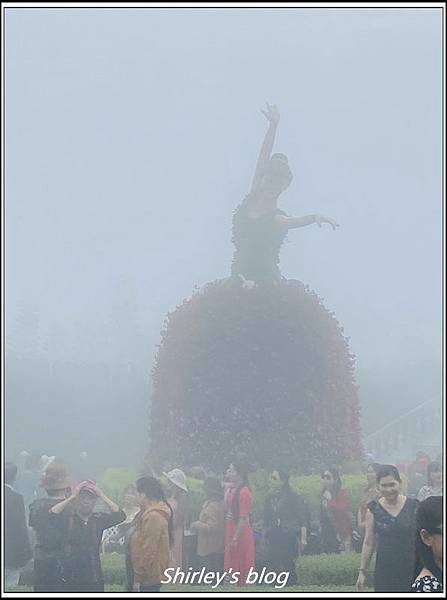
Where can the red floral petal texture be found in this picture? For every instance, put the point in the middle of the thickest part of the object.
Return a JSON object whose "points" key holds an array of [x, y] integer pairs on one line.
{"points": [[264, 372]]}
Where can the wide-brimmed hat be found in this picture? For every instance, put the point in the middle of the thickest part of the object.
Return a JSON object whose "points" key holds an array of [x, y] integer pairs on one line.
{"points": [[178, 478], [55, 477], [212, 487]]}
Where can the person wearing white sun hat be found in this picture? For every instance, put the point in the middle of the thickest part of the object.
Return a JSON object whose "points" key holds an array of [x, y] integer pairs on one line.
{"points": [[177, 478], [177, 491]]}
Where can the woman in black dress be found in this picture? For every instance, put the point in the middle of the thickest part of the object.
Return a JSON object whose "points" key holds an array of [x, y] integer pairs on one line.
{"points": [[390, 528]]}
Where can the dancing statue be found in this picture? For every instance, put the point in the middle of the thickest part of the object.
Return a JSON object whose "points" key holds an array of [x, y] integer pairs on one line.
{"points": [[254, 363], [259, 226]]}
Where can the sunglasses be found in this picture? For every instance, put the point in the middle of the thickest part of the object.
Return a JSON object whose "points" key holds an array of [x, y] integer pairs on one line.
{"points": [[326, 476], [436, 531], [274, 478]]}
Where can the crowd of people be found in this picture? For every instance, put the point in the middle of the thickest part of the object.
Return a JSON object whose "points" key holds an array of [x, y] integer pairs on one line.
{"points": [[65, 535]]}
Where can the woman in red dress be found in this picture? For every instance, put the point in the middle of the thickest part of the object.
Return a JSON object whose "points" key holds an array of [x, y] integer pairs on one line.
{"points": [[239, 539]]}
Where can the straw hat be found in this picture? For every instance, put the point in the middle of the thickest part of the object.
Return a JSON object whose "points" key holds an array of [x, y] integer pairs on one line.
{"points": [[55, 477], [178, 478]]}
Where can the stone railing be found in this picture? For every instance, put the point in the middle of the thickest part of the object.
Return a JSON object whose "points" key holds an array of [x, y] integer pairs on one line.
{"points": [[418, 429]]}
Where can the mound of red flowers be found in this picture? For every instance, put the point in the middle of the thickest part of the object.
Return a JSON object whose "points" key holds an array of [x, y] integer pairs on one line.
{"points": [[264, 372]]}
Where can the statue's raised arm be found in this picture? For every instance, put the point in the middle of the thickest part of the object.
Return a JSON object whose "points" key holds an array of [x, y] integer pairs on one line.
{"points": [[272, 116]]}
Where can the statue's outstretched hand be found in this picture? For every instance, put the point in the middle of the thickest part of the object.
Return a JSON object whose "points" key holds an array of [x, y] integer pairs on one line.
{"points": [[272, 113], [319, 219]]}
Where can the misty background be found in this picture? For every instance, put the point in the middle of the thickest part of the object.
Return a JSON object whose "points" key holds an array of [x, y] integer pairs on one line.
{"points": [[130, 137]]}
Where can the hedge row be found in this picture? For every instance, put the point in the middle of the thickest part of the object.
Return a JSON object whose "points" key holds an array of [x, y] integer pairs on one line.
{"points": [[331, 569], [309, 486], [114, 482]]}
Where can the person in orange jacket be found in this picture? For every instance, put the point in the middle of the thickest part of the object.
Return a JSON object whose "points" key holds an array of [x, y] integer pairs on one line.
{"points": [[150, 538]]}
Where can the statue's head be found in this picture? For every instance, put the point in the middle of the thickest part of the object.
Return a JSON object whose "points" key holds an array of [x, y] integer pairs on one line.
{"points": [[277, 176]]}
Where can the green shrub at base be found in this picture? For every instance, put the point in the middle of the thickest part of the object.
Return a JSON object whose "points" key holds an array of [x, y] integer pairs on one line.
{"points": [[114, 481], [309, 486], [331, 569], [114, 569]]}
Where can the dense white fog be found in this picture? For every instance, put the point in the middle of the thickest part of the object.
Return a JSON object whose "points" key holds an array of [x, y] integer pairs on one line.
{"points": [[130, 137]]}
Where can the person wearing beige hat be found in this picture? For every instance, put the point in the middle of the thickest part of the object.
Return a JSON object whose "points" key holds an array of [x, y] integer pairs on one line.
{"points": [[177, 492], [50, 532]]}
